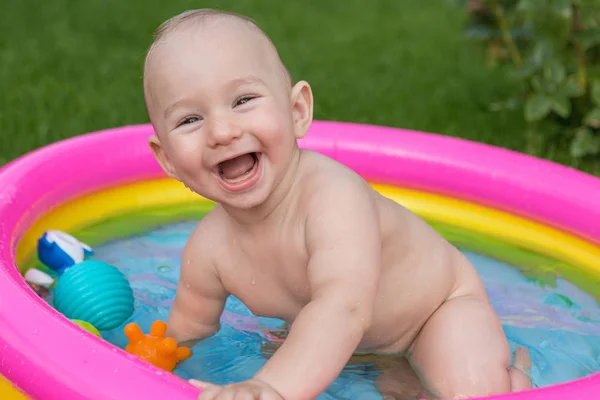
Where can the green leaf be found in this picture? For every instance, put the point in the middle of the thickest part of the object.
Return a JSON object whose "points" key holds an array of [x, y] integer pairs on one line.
{"points": [[537, 84], [542, 52], [589, 38], [596, 92], [584, 143], [537, 107], [561, 8], [572, 88], [592, 118], [554, 72], [561, 105]]}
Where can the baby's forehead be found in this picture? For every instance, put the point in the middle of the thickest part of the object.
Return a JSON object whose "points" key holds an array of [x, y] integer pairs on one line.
{"points": [[226, 41], [212, 53]]}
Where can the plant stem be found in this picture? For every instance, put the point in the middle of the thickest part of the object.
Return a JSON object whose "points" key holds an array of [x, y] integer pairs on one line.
{"points": [[506, 36]]}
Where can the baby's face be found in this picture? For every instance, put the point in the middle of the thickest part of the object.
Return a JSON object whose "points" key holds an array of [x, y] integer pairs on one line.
{"points": [[224, 112]]}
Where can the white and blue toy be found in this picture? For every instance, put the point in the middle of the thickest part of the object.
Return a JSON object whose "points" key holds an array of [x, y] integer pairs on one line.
{"points": [[60, 251]]}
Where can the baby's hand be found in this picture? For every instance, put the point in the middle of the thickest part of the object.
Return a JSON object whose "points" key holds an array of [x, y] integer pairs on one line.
{"points": [[252, 389]]}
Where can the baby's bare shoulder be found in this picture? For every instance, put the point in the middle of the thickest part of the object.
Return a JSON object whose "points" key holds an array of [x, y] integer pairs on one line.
{"points": [[199, 268], [205, 240], [330, 189], [325, 177]]}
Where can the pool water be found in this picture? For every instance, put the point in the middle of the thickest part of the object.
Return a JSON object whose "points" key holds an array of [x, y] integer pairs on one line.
{"points": [[559, 325]]}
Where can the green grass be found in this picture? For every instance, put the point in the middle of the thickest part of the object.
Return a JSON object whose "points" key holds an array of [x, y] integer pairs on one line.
{"points": [[70, 67]]}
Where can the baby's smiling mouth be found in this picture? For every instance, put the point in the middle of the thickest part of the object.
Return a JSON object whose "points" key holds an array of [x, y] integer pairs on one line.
{"points": [[238, 168]]}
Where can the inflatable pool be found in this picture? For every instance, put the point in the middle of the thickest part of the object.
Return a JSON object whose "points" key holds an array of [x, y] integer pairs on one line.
{"points": [[71, 185]]}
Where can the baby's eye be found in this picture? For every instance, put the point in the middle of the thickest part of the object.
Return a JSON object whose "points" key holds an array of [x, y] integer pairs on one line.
{"points": [[243, 100], [189, 120]]}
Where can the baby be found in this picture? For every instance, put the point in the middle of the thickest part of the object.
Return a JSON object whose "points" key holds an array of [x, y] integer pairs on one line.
{"points": [[300, 237]]}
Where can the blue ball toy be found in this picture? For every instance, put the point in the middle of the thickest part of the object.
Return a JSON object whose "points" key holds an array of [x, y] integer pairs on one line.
{"points": [[95, 292]]}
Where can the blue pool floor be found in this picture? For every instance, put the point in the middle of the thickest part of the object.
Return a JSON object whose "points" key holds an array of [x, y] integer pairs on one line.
{"points": [[559, 325]]}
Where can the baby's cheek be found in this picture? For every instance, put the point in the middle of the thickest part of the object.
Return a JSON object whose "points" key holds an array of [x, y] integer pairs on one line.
{"points": [[188, 159], [271, 122], [282, 135]]}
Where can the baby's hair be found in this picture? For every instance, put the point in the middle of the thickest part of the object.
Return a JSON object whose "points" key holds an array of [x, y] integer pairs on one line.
{"points": [[189, 17]]}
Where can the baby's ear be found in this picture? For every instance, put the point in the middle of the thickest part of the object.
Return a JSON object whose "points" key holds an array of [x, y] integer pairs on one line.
{"points": [[161, 156], [302, 108]]}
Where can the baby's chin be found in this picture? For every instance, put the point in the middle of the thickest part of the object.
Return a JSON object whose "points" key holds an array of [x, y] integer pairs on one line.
{"points": [[234, 201], [246, 201]]}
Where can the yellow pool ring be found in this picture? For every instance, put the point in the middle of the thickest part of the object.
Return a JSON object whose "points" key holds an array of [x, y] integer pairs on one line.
{"points": [[110, 203], [9, 392], [512, 229]]}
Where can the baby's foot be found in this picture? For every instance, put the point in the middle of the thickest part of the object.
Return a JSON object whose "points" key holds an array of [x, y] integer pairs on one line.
{"points": [[519, 377]]}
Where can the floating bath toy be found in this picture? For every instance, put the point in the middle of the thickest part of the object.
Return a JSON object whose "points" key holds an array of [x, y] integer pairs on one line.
{"points": [[155, 347], [59, 250], [95, 292], [39, 281], [87, 326], [37, 277], [39, 289]]}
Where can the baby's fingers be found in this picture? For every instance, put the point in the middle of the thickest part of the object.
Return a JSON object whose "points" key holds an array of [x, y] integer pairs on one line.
{"points": [[270, 395], [209, 391], [241, 393]]}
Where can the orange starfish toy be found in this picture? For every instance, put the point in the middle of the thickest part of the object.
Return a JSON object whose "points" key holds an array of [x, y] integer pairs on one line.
{"points": [[154, 347]]}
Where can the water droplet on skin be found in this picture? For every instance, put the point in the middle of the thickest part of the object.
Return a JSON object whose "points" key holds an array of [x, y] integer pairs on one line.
{"points": [[253, 282], [187, 285], [35, 332], [116, 370]]}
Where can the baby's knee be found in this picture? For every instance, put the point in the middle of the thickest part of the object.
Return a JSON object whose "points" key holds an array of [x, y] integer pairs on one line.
{"points": [[494, 381]]}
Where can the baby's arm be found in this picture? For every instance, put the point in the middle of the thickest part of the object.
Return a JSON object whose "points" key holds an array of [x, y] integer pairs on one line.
{"points": [[343, 240], [200, 296]]}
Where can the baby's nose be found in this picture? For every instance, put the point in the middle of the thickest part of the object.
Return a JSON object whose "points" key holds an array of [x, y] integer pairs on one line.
{"points": [[223, 133]]}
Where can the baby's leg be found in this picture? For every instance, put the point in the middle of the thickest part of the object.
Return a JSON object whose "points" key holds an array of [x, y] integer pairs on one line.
{"points": [[462, 352]]}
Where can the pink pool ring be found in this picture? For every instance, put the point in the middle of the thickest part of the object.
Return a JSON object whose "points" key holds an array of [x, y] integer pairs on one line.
{"points": [[46, 356]]}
